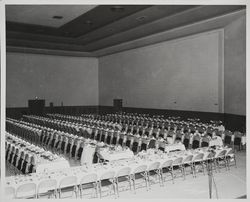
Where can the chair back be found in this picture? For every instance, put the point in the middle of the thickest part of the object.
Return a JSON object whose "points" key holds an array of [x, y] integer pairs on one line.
{"points": [[161, 145], [188, 159], [186, 139], [151, 144], [123, 172], [154, 166], [26, 190], [221, 153], [10, 192], [195, 144], [237, 137], [68, 181], [228, 137], [205, 141], [198, 157], [167, 164], [46, 185], [144, 144], [210, 155], [139, 169], [229, 151], [177, 161], [136, 145], [115, 138], [89, 178], [129, 140], [107, 175], [109, 137]]}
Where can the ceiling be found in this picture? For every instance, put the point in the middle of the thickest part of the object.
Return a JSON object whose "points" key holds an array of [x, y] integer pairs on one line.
{"points": [[96, 30], [43, 14]]}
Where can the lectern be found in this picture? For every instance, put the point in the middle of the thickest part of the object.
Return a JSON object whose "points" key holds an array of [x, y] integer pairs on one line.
{"points": [[36, 106], [117, 105]]}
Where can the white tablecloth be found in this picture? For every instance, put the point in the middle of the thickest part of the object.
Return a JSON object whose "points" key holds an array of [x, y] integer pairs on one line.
{"points": [[174, 147], [216, 142], [55, 165], [114, 155], [88, 154], [99, 169]]}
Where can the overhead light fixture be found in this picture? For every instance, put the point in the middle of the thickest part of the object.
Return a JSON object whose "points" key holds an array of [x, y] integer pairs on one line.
{"points": [[141, 18], [117, 8], [88, 22], [58, 17]]}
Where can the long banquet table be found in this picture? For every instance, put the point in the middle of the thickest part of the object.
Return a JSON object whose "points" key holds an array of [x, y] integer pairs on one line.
{"points": [[143, 158], [110, 155], [44, 160]]}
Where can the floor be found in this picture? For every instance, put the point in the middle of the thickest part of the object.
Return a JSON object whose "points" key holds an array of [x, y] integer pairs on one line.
{"points": [[230, 184]]}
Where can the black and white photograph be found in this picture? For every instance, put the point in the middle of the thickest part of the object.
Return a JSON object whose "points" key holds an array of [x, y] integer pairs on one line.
{"points": [[121, 100]]}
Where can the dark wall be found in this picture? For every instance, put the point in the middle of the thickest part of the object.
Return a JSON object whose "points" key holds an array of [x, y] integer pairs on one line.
{"points": [[235, 122]]}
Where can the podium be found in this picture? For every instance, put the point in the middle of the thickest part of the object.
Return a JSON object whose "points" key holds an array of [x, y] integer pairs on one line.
{"points": [[36, 107], [117, 105]]}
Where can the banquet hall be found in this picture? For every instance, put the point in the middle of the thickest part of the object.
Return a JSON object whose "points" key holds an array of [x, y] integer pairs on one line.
{"points": [[125, 102]]}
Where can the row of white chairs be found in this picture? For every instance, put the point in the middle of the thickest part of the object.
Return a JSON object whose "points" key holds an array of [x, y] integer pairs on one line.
{"points": [[52, 188]]}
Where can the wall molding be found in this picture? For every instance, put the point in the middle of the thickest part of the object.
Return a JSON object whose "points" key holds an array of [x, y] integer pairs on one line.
{"points": [[17, 49]]}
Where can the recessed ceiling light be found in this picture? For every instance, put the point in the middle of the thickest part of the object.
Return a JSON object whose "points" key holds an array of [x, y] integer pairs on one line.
{"points": [[141, 18], [88, 22], [117, 8], [58, 17]]}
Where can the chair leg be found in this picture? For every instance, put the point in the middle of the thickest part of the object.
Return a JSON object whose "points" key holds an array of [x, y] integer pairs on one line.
{"points": [[76, 192], [203, 168], [184, 172], [161, 178], [80, 191], [172, 174], [235, 161], [114, 188], [146, 178], [117, 189], [218, 164], [60, 193], [225, 162], [99, 189], [96, 190], [228, 163], [134, 184], [215, 165], [194, 168], [129, 180]]}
